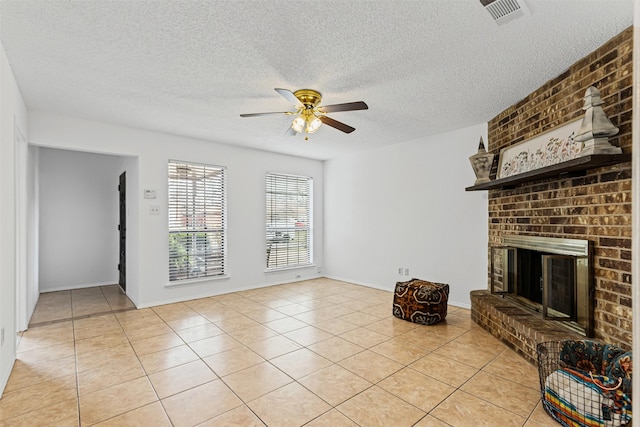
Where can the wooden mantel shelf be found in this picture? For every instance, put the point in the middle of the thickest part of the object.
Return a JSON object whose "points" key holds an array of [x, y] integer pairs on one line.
{"points": [[581, 164]]}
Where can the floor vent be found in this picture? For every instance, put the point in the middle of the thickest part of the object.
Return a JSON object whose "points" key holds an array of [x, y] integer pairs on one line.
{"points": [[503, 11]]}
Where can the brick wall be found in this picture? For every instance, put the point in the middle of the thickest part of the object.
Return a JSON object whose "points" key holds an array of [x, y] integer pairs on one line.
{"points": [[596, 206]]}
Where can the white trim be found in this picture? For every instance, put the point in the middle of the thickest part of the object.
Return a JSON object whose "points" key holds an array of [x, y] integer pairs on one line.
{"points": [[20, 154], [80, 286], [33, 231], [287, 282], [289, 174], [358, 282], [196, 281], [5, 377], [460, 304], [383, 288], [294, 267], [214, 293]]}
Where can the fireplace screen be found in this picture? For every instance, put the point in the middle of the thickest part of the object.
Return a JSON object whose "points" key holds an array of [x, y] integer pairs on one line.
{"points": [[546, 275], [559, 287]]}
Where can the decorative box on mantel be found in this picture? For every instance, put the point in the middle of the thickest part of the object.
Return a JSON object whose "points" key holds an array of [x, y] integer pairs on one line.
{"points": [[586, 149]]}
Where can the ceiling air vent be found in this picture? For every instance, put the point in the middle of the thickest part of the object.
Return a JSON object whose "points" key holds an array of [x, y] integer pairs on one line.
{"points": [[503, 11]]}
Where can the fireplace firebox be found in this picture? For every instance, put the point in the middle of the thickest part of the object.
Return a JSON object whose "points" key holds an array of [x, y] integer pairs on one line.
{"points": [[549, 276]]}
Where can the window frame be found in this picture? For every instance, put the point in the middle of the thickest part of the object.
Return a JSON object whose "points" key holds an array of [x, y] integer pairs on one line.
{"points": [[202, 221], [292, 225]]}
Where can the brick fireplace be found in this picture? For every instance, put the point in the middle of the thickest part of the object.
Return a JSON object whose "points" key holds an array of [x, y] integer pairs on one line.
{"points": [[595, 206]]}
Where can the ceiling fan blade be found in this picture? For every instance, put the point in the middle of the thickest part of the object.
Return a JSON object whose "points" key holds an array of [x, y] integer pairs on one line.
{"points": [[336, 124], [288, 113], [290, 132], [289, 96], [348, 106]]}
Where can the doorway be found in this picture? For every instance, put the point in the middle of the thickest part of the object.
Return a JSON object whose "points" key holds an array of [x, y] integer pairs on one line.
{"points": [[85, 224]]}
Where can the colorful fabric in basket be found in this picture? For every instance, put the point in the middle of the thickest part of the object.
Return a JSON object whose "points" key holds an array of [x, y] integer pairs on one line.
{"points": [[578, 399], [588, 355], [622, 367], [589, 383]]}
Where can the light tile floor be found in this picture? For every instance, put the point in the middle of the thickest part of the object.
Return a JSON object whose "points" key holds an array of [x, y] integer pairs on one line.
{"points": [[78, 303], [313, 353]]}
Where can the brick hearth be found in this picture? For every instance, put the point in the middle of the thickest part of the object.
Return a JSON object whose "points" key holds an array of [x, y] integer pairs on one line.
{"points": [[517, 327]]}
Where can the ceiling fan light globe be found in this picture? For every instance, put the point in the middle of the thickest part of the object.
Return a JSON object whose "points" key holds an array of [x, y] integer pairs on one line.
{"points": [[313, 125], [298, 124]]}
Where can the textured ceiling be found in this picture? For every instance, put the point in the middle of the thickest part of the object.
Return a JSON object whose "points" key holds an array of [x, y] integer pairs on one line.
{"points": [[191, 67]]}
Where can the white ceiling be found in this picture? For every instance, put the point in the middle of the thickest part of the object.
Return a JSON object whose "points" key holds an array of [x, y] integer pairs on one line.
{"points": [[191, 67]]}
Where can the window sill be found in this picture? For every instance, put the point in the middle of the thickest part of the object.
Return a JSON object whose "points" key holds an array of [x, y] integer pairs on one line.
{"points": [[297, 267], [196, 281]]}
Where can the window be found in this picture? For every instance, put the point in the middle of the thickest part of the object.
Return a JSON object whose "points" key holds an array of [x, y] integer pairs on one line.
{"points": [[196, 221], [289, 221]]}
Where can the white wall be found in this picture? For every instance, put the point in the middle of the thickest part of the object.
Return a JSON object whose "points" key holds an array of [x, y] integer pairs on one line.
{"points": [[406, 206], [246, 171], [32, 237], [13, 114], [78, 201]]}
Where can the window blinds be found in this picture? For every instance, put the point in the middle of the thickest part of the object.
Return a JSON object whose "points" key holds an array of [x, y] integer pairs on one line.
{"points": [[289, 222], [196, 220]]}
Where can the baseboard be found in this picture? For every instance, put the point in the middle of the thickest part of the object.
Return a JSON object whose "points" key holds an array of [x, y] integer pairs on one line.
{"points": [[220, 292], [358, 282], [460, 304], [266, 285], [84, 285], [5, 376], [390, 289], [194, 297], [285, 282]]}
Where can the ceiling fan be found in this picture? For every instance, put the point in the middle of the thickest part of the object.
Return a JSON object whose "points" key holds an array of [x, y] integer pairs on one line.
{"points": [[310, 114]]}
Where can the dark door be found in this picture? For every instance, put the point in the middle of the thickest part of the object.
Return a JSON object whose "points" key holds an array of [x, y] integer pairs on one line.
{"points": [[122, 228]]}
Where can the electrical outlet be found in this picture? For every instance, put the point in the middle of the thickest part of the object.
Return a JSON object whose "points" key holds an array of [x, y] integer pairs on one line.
{"points": [[400, 271], [154, 210], [406, 271]]}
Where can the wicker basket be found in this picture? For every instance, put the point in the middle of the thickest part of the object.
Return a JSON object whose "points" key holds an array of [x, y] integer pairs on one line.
{"points": [[574, 390]]}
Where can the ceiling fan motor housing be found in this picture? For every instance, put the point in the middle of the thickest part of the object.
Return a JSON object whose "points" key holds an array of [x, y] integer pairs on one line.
{"points": [[309, 97]]}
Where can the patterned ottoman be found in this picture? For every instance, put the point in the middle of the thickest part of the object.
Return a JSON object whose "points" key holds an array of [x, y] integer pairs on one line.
{"points": [[420, 301]]}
